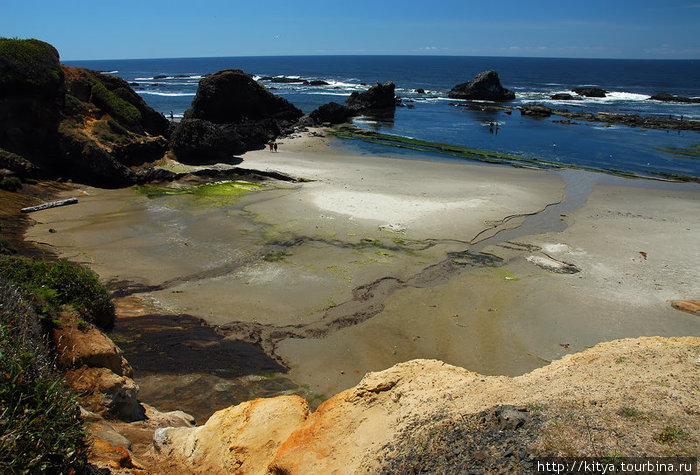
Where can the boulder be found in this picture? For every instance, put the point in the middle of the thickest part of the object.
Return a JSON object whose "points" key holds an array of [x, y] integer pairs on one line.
{"points": [[485, 86], [82, 344], [103, 392], [379, 96], [332, 112], [536, 110], [239, 439], [590, 91]]}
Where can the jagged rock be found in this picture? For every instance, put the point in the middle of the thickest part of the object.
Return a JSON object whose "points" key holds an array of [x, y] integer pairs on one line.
{"points": [[102, 391], [239, 439], [82, 344], [536, 110], [671, 98], [485, 86], [332, 112], [104, 454], [99, 428], [420, 90], [379, 96], [590, 91]]}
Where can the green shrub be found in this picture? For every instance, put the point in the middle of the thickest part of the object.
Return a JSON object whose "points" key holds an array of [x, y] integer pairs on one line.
{"points": [[41, 430], [54, 284], [11, 183], [28, 64], [117, 107]]}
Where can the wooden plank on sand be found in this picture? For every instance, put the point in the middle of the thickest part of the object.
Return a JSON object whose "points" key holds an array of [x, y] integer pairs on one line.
{"points": [[50, 204]]}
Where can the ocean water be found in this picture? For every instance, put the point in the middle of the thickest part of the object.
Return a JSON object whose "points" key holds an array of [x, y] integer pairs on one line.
{"points": [[169, 85]]}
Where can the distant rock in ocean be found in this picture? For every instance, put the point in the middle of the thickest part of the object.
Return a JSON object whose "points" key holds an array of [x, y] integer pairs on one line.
{"points": [[565, 96], [485, 86], [664, 97], [230, 114], [590, 91], [60, 121]]}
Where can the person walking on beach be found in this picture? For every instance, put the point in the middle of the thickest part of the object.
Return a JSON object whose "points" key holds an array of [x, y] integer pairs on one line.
{"points": [[275, 144], [271, 144]]}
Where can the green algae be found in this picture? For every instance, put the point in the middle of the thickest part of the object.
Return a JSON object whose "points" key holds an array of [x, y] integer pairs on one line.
{"points": [[210, 194], [692, 152], [350, 132]]}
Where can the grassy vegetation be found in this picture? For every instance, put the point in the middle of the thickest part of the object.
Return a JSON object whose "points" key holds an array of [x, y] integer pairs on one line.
{"points": [[41, 430], [28, 64], [114, 105], [52, 285], [212, 194]]}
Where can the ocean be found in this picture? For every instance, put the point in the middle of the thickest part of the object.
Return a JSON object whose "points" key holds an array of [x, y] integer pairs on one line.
{"points": [[169, 85]]}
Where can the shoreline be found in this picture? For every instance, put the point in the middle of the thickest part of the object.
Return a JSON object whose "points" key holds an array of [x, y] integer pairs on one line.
{"points": [[328, 255]]}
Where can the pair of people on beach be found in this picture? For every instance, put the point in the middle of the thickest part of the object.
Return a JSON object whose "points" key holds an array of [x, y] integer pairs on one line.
{"points": [[273, 145]]}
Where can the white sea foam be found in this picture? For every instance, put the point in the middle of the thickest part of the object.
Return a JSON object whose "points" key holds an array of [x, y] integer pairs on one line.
{"points": [[109, 72], [168, 94]]}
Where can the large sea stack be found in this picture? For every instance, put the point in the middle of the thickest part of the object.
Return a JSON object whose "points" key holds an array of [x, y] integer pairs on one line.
{"points": [[376, 98], [230, 114], [58, 121], [484, 87]]}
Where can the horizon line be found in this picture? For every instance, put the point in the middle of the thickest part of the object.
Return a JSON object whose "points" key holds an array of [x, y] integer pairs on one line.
{"points": [[383, 54]]}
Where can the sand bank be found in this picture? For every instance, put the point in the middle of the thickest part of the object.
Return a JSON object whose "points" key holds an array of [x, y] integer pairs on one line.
{"points": [[367, 264]]}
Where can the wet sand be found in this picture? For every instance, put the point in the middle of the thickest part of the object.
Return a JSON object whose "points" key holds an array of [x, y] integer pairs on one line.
{"points": [[368, 264]]}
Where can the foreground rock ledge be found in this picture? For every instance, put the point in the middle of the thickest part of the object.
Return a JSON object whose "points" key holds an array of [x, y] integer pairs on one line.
{"points": [[357, 429]]}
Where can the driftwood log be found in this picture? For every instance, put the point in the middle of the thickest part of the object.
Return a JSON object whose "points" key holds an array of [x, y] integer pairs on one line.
{"points": [[50, 204]]}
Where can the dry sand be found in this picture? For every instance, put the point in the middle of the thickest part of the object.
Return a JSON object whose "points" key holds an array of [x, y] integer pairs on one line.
{"points": [[350, 272]]}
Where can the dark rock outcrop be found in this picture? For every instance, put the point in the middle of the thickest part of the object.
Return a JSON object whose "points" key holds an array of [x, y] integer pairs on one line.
{"points": [[565, 96], [590, 91], [332, 112], [485, 86], [377, 97], [63, 122], [230, 114], [536, 110], [665, 97]]}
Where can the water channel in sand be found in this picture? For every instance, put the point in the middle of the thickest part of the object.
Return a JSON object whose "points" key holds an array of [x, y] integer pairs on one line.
{"points": [[327, 295]]}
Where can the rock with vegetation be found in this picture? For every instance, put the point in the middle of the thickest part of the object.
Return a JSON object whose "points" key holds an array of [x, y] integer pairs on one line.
{"points": [[62, 122], [486, 86], [536, 110], [230, 114]]}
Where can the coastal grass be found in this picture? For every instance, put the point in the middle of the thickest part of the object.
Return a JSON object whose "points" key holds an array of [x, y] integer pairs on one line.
{"points": [[351, 132], [41, 430], [114, 105], [52, 286], [212, 194]]}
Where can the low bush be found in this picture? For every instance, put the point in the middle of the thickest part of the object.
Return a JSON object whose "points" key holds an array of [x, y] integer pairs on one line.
{"points": [[51, 285]]}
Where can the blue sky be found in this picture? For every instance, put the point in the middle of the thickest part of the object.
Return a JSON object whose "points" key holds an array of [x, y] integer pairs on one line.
{"points": [[668, 29]]}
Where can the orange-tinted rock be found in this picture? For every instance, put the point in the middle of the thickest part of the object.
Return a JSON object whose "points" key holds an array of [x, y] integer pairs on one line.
{"points": [[690, 306], [239, 439], [82, 344], [105, 393]]}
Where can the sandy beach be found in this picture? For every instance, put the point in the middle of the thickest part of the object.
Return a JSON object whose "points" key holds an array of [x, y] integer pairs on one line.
{"points": [[374, 261]]}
